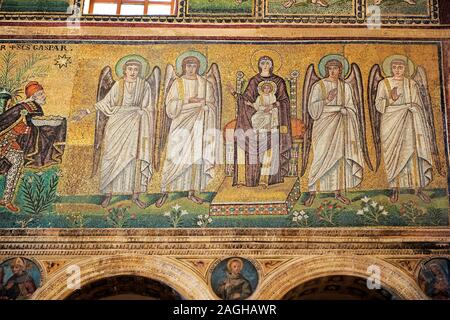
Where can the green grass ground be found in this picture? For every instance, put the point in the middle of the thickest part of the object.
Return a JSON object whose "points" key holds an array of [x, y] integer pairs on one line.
{"points": [[220, 6], [336, 7], [35, 5], [86, 211], [436, 214], [393, 7]]}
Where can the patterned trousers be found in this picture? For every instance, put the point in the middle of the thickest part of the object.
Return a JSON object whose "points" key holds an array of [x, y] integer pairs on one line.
{"points": [[13, 175]]}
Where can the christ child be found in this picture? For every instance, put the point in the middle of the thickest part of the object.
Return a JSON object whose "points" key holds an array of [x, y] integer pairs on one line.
{"points": [[266, 115]]}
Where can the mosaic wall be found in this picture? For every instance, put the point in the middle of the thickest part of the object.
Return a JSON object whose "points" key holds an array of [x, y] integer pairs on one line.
{"points": [[292, 135], [363, 13], [283, 172]]}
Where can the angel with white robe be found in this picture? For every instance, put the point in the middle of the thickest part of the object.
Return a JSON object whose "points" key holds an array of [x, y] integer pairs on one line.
{"points": [[190, 128], [125, 129], [403, 126], [333, 113]]}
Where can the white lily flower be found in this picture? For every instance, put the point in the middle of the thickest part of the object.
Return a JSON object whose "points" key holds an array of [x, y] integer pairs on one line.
{"points": [[176, 207], [360, 212], [184, 212], [306, 216], [199, 223], [302, 213], [366, 209], [167, 214], [384, 213], [295, 213], [365, 199], [294, 219], [209, 220], [381, 207], [374, 204], [206, 216], [200, 216]]}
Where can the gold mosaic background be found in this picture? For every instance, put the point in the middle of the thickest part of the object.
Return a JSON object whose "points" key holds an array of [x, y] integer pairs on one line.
{"points": [[74, 87]]}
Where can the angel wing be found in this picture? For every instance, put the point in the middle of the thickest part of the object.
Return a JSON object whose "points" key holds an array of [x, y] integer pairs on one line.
{"points": [[355, 81], [310, 79], [375, 77], [105, 84], [213, 76], [154, 80], [420, 78], [164, 120]]}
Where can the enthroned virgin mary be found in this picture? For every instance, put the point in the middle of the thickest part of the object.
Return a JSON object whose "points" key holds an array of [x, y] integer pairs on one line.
{"points": [[261, 157]]}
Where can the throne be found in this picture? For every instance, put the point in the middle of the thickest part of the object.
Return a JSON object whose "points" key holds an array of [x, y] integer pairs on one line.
{"points": [[277, 199]]}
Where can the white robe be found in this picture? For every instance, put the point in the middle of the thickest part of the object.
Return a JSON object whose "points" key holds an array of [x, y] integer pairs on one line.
{"points": [[405, 136], [191, 145], [337, 157], [126, 165], [262, 120]]}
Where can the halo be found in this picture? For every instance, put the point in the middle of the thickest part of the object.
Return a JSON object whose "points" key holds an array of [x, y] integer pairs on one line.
{"points": [[200, 56], [387, 64], [263, 83], [274, 55], [339, 57], [241, 262], [141, 59]]}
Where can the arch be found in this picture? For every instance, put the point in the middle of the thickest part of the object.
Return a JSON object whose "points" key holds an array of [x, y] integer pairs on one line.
{"points": [[133, 287], [171, 272], [298, 271]]}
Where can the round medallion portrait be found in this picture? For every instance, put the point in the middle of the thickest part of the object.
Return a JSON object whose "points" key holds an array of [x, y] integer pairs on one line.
{"points": [[434, 278], [234, 278], [19, 279]]}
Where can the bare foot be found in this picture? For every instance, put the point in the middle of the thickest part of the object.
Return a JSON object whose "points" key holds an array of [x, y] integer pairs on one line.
{"points": [[194, 198], [321, 3], [289, 3], [394, 196], [341, 198], [135, 199], [161, 200], [410, 2], [422, 196], [308, 202], [107, 200]]}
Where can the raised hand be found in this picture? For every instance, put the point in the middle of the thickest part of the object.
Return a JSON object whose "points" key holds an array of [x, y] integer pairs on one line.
{"points": [[332, 94], [394, 94], [79, 115], [231, 89]]}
